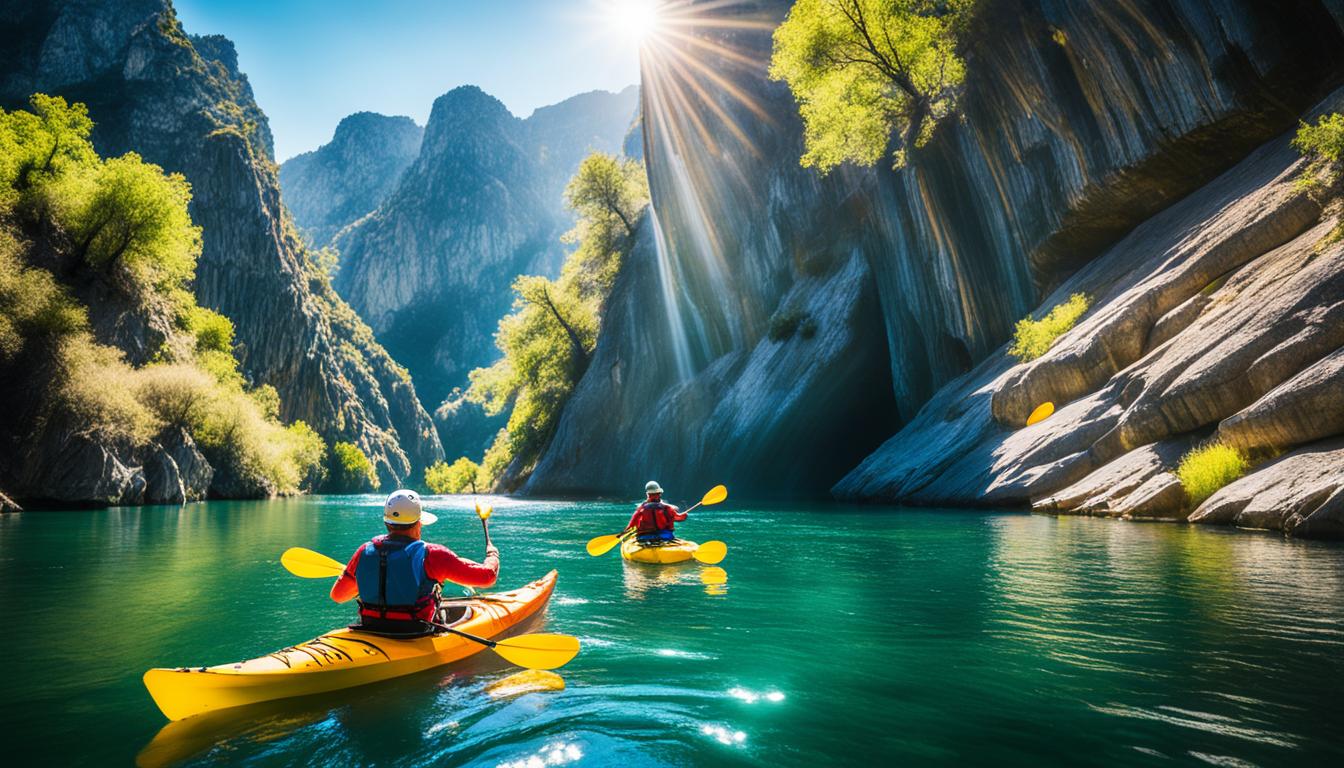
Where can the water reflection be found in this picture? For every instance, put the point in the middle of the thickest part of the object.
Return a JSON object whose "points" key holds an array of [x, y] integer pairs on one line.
{"points": [[527, 681]]}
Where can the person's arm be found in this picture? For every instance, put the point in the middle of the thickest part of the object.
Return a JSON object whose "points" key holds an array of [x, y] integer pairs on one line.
{"points": [[442, 564], [634, 519], [346, 588], [676, 514]]}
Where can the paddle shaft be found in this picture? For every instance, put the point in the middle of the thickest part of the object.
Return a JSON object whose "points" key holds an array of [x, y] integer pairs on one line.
{"points": [[483, 641]]}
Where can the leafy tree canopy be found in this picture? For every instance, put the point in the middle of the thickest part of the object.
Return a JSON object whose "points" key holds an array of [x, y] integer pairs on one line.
{"points": [[863, 70], [548, 339]]}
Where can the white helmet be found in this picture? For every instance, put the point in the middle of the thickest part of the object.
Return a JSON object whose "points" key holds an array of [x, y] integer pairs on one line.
{"points": [[653, 487], [403, 508]]}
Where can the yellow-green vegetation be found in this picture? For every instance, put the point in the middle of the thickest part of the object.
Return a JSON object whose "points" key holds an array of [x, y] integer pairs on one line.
{"points": [[1206, 469], [351, 470], [550, 335], [458, 477], [1032, 338], [124, 221], [863, 70], [1322, 144]]}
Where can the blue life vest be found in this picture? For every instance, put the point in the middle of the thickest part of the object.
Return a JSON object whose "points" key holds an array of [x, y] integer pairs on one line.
{"points": [[391, 577]]}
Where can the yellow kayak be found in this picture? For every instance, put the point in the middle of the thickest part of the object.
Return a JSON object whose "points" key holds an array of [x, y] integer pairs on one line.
{"points": [[674, 551], [342, 658]]}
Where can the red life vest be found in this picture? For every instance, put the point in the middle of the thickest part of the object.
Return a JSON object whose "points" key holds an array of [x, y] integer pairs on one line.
{"points": [[654, 517]]}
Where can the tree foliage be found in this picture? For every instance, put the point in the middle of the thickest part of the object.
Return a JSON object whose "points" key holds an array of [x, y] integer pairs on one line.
{"points": [[1322, 143], [548, 339], [351, 470], [863, 70], [127, 219], [458, 477]]}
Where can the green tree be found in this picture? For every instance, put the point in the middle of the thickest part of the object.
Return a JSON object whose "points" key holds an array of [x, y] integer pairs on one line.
{"points": [[129, 213], [608, 189], [458, 477], [351, 470], [863, 70], [38, 145], [548, 339]]}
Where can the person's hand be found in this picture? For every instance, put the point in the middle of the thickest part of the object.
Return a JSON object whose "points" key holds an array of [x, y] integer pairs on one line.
{"points": [[491, 549]]}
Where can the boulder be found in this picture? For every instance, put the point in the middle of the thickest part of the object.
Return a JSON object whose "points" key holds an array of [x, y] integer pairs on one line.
{"points": [[175, 471], [68, 467], [8, 505], [1301, 493]]}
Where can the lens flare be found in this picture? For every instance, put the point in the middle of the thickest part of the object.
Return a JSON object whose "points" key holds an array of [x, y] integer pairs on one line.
{"points": [[636, 19]]}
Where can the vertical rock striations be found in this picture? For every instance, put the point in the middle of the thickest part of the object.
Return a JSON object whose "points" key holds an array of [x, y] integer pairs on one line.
{"points": [[431, 268], [182, 103], [347, 178], [1080, 120]]}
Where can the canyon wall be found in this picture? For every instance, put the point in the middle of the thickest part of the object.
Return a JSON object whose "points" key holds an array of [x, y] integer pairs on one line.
{"points": [[1078, 122], [482, 203], [182, 103]]}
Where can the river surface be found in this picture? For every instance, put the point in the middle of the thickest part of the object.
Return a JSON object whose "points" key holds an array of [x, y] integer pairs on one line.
{"points": [[843, 636]]}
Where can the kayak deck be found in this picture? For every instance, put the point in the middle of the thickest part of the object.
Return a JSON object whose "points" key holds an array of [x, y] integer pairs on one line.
{"points": [[342, 658], [675, 551]]}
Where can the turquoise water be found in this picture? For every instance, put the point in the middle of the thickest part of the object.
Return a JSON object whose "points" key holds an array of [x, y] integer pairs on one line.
{"points": [[842, 637]]}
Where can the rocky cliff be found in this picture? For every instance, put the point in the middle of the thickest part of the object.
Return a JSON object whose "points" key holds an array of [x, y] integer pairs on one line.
{"points": [[481, 204], [181, 103], [348, 177], [1079, 121]]}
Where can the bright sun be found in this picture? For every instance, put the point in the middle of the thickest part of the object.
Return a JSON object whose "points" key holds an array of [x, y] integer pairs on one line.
{"points": [[637, 19]]}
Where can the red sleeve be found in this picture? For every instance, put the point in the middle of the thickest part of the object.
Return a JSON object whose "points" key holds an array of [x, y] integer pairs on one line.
{"points": [[345, 587], [676, 514], [442, 564], [634, 519]]}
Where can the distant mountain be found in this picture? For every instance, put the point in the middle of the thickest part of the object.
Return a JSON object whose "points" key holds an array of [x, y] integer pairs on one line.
{"points": [[181, 102], [345, 179], [430, 270]]}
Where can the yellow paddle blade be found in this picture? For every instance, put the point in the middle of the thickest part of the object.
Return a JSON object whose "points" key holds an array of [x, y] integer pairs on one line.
{"points": [[309, 564], [713, 575], [540, 651], [603, 544], [711, 552], [716, 494], [1041, 413], [486, 512]]}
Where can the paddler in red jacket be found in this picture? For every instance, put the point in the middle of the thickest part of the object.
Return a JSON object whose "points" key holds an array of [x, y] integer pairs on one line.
{"points": [[396, 577], [654, 520]]}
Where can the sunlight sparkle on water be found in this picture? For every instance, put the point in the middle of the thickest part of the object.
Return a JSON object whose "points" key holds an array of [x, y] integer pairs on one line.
{"points": [[751, 697], [723, 735], [558, 753]]}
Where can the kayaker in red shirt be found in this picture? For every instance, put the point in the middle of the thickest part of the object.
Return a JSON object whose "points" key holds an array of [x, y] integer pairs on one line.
{"points": [[655, 520], [397, 576]]}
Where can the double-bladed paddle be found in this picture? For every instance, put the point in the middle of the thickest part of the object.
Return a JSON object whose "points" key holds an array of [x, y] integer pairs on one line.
{"points": [[535, 651], [709, 553]]}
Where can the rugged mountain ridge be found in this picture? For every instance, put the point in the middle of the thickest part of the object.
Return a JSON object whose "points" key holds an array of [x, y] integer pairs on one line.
{"points": [[430, 269], [182, 103], [1080, 121], [347, 178]]}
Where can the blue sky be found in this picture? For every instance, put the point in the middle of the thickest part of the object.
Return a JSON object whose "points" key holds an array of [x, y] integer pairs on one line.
{"points": [[312, 62]]}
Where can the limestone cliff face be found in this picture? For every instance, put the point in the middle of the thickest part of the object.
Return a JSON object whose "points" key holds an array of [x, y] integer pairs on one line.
{"points": [[481, 204], [1081, 120], [1221, 318], [182, 103], [347, 178]]}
